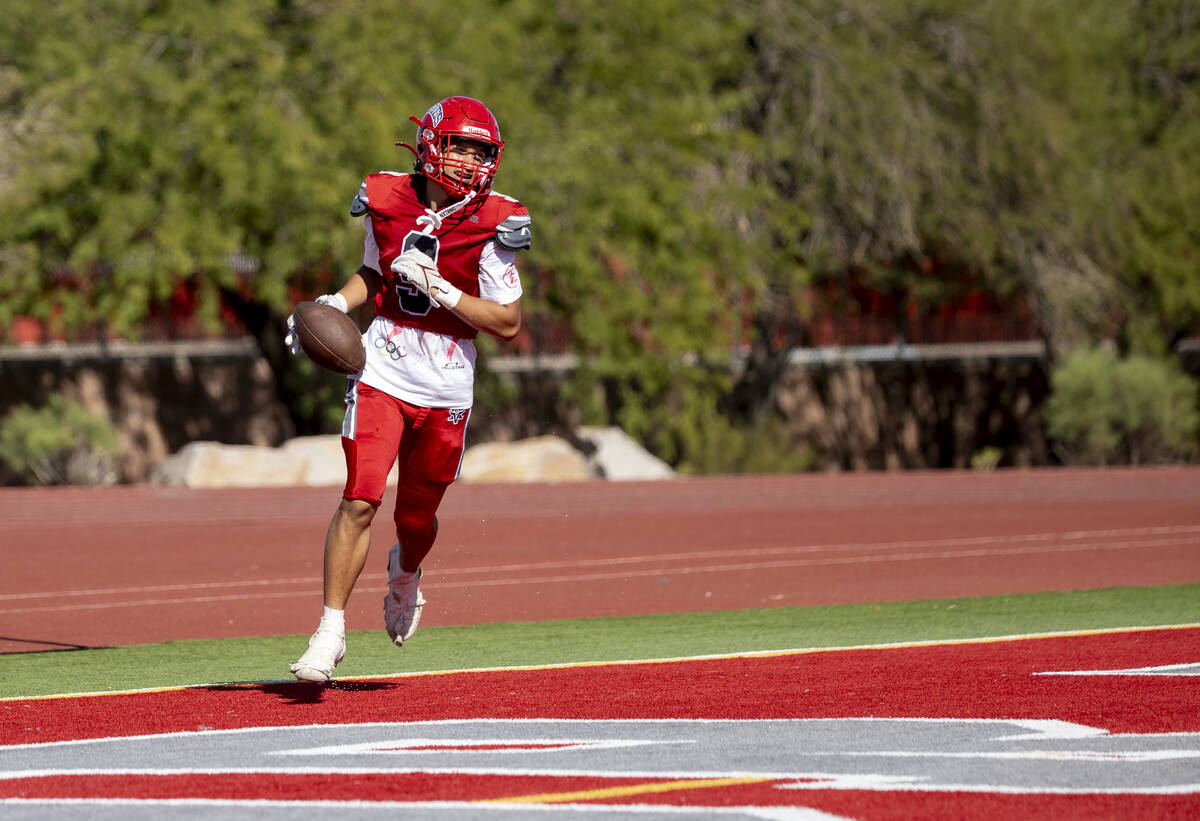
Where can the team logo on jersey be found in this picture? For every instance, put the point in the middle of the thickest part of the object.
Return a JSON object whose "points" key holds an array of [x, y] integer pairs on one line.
{"points": [[388, 348], [456, 415]]}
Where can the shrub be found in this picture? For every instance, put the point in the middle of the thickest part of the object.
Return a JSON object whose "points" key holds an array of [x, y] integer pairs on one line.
{"points": [[1137, 410], [61, 443], [987, 458], [1157, 404], [764, 446]]}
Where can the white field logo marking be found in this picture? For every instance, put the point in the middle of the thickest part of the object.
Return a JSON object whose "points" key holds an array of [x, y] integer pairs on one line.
{"points": [[1190, 669]]}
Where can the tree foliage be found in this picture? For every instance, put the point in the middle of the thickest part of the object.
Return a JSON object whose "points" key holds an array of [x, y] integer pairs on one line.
{"points": [[691, 167]]}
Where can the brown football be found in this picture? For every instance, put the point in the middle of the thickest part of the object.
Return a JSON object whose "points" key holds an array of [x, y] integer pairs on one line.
{"points": [[329, 337]]}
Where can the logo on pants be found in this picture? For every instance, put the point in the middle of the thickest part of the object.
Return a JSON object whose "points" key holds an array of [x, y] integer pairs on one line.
{"points": [[456, 415]]}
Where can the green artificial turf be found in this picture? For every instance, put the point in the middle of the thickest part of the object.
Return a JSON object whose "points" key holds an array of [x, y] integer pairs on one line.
{"points": [[612, 639]]}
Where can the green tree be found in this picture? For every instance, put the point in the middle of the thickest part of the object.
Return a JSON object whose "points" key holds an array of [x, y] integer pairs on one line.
{"points": [[691, 168], [1160, 178], [154, 142]]}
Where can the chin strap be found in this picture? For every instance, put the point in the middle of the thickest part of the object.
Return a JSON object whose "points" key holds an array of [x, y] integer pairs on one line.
{"points": [[431, 220]]}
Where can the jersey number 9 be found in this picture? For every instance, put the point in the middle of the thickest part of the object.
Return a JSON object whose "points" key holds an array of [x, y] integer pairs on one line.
{"points": [[411, 300]]}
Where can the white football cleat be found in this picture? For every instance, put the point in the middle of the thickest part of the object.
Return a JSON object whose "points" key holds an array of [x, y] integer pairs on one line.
{"points": [[325, 651], [403, 602]]}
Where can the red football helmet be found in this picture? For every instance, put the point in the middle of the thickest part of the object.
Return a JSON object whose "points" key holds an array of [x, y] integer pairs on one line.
{"points": [[457, 118]]}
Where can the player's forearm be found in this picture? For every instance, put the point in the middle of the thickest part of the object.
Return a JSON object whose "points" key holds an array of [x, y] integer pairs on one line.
{"points": [[361, 287], [503, 321]]}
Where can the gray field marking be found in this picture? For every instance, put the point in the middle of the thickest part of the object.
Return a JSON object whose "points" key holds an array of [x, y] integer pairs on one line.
{"points": [[977, 755]]}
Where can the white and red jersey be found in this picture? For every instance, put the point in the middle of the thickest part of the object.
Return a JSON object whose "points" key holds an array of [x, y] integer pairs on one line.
{"points": [[417, 350]]}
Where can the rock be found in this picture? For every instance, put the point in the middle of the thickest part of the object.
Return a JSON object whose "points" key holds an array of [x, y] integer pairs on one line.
{"points": [[313, 461], [619, 457], [318, 461], [211, 464], [538, 459], [320, 458]]}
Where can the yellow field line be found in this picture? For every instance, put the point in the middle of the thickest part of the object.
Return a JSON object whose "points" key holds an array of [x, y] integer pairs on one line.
{"points": [[623, 792]]}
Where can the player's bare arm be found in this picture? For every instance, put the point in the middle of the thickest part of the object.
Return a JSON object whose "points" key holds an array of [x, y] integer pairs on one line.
{"points": [[361, 287], [502, 321]]}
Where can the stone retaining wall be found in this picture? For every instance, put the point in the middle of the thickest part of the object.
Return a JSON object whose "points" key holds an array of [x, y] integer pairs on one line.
{"points": [[864, 412], [160, 396], [918, 414]]}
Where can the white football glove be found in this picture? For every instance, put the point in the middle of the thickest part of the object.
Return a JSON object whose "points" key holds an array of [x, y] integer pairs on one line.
{"points": [[416, 266], [292, 339]]}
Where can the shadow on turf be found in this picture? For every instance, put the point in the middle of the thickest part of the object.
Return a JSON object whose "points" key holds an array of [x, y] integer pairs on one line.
{"points": [[302, 692], [46, 646]]}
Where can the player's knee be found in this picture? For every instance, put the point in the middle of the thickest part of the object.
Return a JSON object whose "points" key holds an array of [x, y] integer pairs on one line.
{"points": [[415, 526], [357, 512]]}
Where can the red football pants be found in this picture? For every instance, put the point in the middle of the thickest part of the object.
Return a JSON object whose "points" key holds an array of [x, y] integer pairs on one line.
{"points": [[380, 430]]}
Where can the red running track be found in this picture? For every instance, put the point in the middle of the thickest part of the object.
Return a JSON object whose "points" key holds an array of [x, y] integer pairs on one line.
{"points": [[113, 566]]}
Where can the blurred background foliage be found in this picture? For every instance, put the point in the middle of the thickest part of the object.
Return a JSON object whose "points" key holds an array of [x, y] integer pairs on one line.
{"points": [[1107, 410], [693, 170], [60, 443]]}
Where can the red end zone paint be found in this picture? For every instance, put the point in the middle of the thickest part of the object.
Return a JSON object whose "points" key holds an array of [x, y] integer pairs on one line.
{"points": [[973, 680], [413, 787], [985, 680]]}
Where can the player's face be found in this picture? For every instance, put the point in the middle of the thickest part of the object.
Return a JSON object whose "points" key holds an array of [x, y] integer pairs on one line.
{"points": [[465, 156]]}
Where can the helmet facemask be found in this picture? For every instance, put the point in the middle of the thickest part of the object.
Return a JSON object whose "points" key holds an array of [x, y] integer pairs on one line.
{"points": [[455, 172]]}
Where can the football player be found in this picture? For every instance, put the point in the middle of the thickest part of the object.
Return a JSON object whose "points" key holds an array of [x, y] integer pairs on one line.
{"points": [[439, 266]]}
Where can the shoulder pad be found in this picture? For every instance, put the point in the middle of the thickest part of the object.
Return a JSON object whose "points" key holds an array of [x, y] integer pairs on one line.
{"points": [[359, 205], [514, 232]]}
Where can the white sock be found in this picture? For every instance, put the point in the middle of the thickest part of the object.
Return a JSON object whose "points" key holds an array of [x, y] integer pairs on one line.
{"points": [[334, 620]]}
